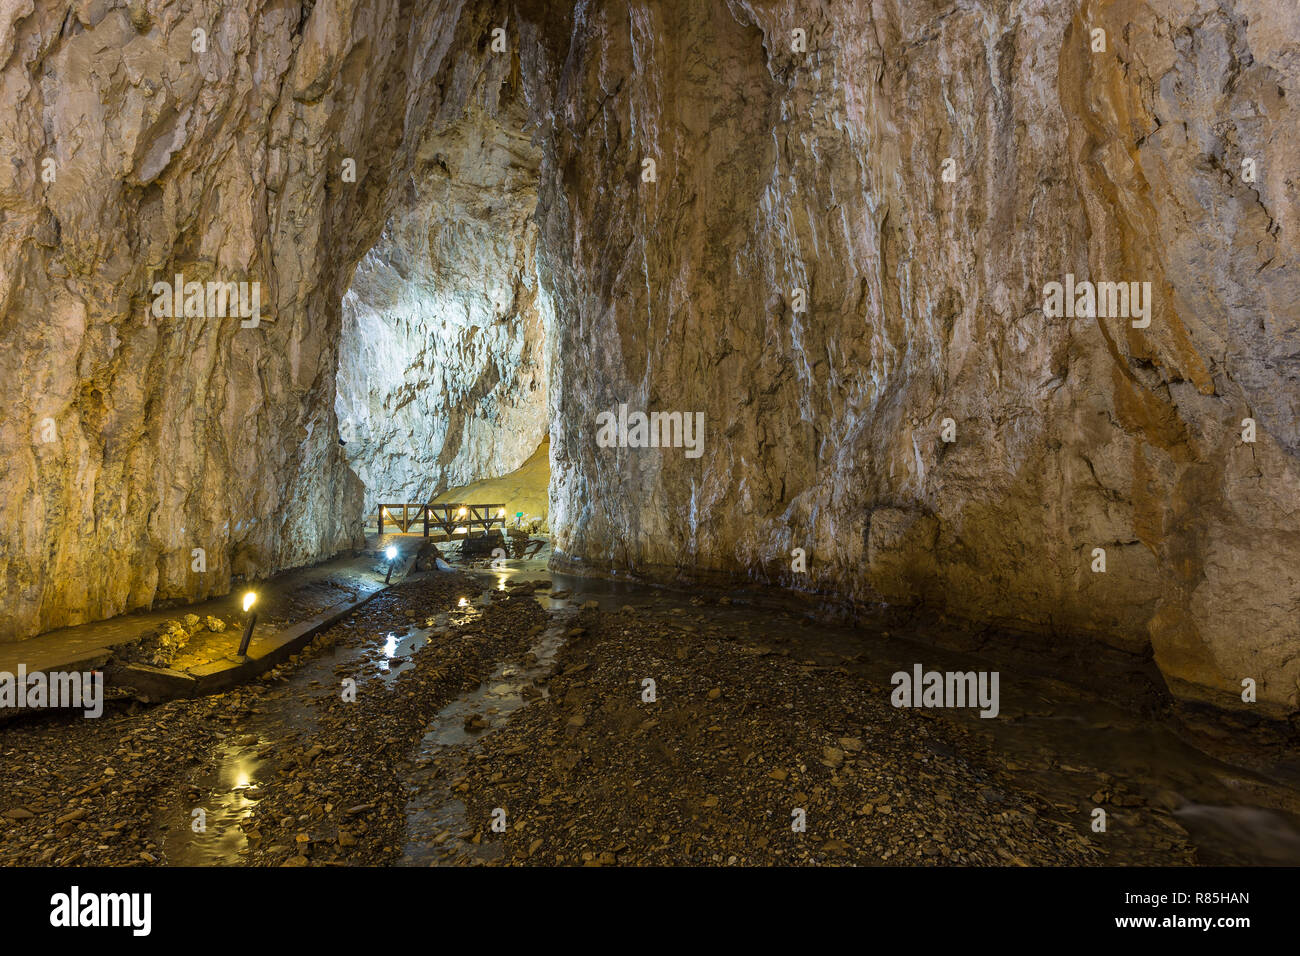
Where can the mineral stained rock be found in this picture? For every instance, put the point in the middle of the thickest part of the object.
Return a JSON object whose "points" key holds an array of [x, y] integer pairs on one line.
{"points": [[822, 171], [827, 226]]}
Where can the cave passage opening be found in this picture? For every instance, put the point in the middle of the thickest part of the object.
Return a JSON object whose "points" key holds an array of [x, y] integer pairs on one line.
{"points": [[442, 384]]}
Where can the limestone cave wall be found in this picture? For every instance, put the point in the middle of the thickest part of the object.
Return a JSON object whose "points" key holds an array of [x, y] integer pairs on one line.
{"points": [[442, 365], [149, 457], [822, 170], [794, 264]]}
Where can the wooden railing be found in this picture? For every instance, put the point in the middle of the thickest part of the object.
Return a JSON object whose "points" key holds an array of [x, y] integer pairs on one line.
{"points": [[446, 518]]}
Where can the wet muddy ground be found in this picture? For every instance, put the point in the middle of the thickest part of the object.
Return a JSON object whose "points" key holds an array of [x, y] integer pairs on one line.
{"points": [[507, 716]]}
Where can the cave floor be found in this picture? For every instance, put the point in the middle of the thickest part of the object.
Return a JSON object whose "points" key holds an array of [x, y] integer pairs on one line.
{"points": [[499, 719]]}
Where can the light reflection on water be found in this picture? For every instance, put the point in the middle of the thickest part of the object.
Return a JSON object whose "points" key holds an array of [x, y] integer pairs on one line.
{"points": [[437, 828], [1059, 734]]}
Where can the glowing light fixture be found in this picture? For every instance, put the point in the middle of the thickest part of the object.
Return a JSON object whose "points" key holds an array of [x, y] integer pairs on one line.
{"points": [[463, 603], [250, 598], [391, 554]]}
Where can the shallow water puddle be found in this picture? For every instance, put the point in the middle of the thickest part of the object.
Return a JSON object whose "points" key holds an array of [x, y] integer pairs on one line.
{"points": [[242, 763], [1057, 739], [1055, 736], [437, 828], [1241, 835]]}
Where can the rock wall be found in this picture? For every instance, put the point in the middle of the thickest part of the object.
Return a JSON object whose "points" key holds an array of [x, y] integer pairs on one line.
{"points": [[149, 139], [798, 269], [779, 170], [442, 376]]}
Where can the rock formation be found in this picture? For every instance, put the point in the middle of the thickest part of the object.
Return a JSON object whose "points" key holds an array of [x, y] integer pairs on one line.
{"points": [[149, 457], [441, 368], [743, 209], [822, 171]]}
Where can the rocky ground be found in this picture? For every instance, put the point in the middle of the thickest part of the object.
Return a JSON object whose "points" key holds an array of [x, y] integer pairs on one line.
{"points": [[744, 740], [339, 794], [107, 791]]}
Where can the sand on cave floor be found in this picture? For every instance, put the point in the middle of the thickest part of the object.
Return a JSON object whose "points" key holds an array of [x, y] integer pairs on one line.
{"points": [[523, 490]]}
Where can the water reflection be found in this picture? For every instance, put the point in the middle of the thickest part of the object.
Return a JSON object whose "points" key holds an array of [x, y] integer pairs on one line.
{"points": [[1059, 736], [1055, 735]]}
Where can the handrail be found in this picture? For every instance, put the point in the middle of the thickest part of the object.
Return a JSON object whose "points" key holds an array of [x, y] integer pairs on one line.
{"points": [[447, 517]]}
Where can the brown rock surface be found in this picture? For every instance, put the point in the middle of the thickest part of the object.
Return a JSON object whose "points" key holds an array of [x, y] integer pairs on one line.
{"points": [[821, 171], [776, 170]]}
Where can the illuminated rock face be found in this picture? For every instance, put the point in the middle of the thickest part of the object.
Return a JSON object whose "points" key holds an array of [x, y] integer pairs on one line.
{"points": [[128, 440], [798, 270], [822, 171], [442, 377]]}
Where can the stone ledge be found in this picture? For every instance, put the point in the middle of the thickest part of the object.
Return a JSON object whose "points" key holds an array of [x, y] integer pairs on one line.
{"points": [[161, 683]]}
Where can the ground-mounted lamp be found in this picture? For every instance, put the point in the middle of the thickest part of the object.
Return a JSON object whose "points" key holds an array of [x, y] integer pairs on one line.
{"points": [[391, 554], [250, 598]]}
